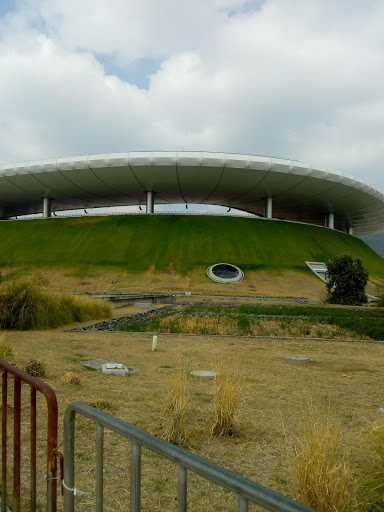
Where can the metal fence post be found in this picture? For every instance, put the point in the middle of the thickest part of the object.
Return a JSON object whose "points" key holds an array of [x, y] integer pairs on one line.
{"points": [[135, 477], [242, 505], [69, 456], [99, 467], [4, 393], [33, 448], [182, 489], [16, 443]]}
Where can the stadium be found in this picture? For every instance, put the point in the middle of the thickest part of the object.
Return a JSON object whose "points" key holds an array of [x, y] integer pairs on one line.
{"points": [[291, 203], [267, 187]]}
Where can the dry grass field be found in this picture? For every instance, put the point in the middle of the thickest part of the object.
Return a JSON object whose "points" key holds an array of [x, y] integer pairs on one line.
{"points": [[344, 377], [274, 284]]}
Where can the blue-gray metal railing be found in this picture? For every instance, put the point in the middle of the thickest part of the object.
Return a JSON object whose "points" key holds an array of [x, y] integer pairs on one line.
{"points": [[247, 491]]}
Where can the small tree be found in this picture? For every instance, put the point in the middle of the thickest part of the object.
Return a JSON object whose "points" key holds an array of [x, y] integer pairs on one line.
{"points": [[347, 279]]}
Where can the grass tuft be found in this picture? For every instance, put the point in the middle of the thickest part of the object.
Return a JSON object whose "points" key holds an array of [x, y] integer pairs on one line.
{"points": [[321, 478], [227, 388], [36, 368], [24, 305], [372, 487], [6, 352], [177, 408], [70, 378]]}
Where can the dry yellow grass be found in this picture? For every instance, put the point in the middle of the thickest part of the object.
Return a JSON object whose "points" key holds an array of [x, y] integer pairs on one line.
{"points": [[351, 374], [227, 394], [70, 378], [321, 478], [6, 351], [371, 490], [287, 283], [177, 408]]}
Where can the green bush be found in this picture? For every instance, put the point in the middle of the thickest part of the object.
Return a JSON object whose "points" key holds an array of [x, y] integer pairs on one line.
{"points": [[26, 306], [347, 279]]}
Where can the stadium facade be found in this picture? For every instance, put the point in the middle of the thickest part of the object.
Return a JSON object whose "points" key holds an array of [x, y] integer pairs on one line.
{"points": [[268, 187]]}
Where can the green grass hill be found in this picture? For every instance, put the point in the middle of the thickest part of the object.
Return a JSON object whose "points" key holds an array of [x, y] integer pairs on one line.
{"points": [[174, 245]]}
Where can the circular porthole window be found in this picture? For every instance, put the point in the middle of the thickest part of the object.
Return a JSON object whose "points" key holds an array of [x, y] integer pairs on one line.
{"points": [[225, 273]]}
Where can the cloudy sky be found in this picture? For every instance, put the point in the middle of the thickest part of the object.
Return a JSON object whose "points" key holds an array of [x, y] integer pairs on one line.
{"points": [[300, 79]]}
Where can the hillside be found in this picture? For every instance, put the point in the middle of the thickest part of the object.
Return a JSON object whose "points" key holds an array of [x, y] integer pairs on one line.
{"points": [[160, 250]]}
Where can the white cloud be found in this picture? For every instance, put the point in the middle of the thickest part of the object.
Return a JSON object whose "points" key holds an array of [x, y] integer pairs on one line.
{"points": [[128, 29], [300, 79]]}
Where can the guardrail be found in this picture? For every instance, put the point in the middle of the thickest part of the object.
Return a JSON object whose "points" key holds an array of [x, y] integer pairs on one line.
{"points": [[247, 491], [35, 385]]}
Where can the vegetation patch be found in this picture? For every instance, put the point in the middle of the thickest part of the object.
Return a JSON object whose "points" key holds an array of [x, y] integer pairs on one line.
{"points": [[6, 351], [227, 390], [25, 305], [177, 409], [321, 477], [244, 320], [372, 470]]}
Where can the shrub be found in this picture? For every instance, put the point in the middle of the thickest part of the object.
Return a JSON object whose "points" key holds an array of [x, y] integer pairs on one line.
{"points": [[36, 368], [177, 408], [321, 479], [347, 279], [70, 378], [227, 389], [24, 306]]}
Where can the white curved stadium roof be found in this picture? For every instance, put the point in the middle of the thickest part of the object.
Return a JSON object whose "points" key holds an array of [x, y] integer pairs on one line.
{"points": [[301, 192]]}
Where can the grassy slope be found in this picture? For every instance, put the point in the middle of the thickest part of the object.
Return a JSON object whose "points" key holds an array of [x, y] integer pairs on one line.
{"points": [[135, 243]]}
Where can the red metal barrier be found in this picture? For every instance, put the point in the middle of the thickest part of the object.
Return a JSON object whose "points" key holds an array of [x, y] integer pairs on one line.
{"points": [[35, 385]]}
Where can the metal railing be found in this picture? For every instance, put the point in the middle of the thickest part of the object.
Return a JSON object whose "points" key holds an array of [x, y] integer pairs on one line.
{"points": [[247, 491], [34, 385]]}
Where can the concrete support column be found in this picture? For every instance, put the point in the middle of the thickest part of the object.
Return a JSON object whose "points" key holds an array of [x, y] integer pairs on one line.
{"points": [[331, 220], [150, 201], [350, 230], [47, 207], [268, 207]]}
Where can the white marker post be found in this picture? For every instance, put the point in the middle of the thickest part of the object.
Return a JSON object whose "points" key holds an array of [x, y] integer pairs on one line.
{"points": [[154, 343]]}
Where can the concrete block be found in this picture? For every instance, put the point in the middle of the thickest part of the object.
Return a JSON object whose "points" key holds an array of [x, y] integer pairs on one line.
{"points": [[114, 369], [203, 374], [297, 359]]}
